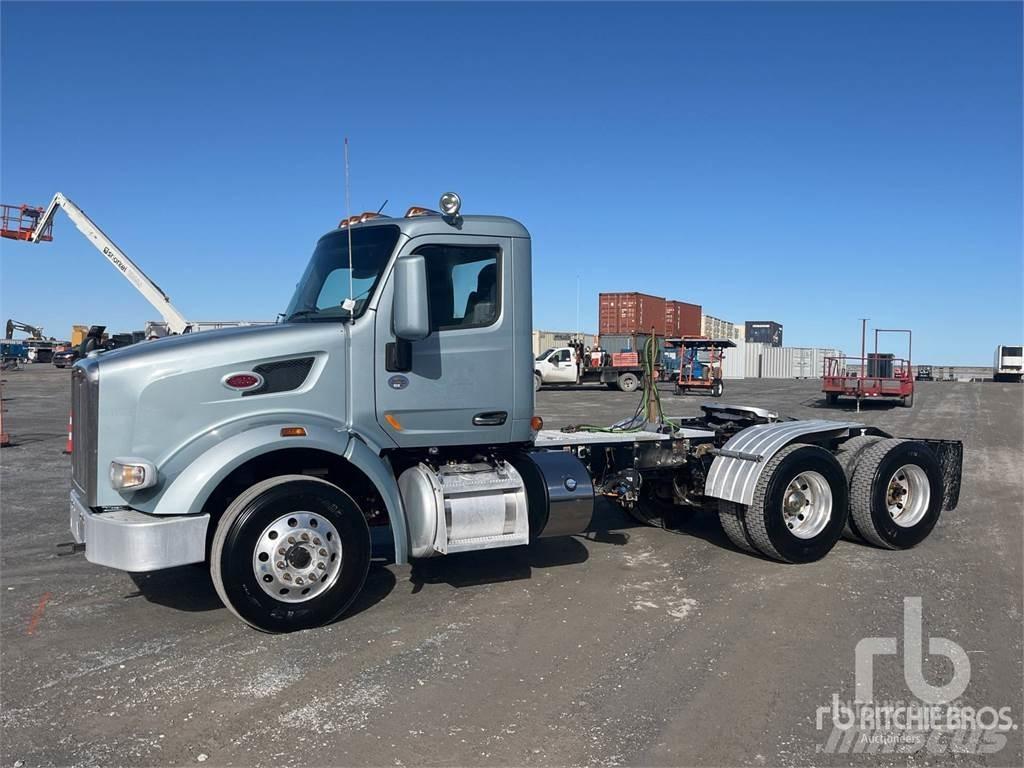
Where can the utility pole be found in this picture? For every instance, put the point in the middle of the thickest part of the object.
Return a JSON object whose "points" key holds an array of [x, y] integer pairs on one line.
{"points": [[863, 358]]}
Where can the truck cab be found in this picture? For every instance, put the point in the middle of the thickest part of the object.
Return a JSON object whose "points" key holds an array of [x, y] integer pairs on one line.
{"points": [[397, 391], [557, 366]]}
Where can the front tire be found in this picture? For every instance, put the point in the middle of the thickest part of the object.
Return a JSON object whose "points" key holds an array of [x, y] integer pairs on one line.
{"points": [[908, 401], [290, 553], [799, 507], [896, 494], [717, 388], [537, 381]]}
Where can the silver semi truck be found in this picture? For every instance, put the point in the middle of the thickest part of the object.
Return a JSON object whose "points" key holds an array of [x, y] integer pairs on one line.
{"points": [[398, 392]]}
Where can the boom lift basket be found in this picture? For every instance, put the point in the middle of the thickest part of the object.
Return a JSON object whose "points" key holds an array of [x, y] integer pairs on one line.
{"points": [[18, 222]]}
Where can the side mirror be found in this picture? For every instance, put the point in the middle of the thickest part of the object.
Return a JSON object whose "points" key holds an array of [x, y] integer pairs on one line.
{"points": [[553, 359], [410, 316]]}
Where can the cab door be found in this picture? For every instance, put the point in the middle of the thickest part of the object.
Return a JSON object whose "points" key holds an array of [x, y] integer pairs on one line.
{"points": [[563, 366], [458, 390]]}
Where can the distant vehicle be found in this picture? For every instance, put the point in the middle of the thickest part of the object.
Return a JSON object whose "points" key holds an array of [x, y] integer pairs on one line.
{"points": [[1009, 363], [574, 364], [924, 373], [39, 351], [65, 358]]}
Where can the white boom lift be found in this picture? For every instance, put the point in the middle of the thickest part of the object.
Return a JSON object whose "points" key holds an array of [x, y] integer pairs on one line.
{"points": [[176, 322]]}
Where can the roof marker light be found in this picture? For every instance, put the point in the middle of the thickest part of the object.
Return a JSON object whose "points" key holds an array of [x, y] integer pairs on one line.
{"points": [[419, 210]]}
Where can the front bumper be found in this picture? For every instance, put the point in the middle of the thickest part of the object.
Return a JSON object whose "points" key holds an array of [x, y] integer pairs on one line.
{"points": [[133, 541]]}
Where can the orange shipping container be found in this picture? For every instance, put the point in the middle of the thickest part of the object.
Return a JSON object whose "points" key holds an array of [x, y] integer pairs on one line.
{"points": [[627, 313]]}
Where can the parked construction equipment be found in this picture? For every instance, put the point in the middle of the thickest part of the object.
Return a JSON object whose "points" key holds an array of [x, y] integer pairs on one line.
{"points": [[32, 331], [152, 292], [700, 364]]}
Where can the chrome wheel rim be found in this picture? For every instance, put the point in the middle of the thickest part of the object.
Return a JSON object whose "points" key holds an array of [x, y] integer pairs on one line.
{"points": [[807, 505], [297, 557], [908, 495]]}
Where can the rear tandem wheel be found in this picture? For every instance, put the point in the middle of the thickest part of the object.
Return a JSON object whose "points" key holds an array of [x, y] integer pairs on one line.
{"points": [[799, 507]]}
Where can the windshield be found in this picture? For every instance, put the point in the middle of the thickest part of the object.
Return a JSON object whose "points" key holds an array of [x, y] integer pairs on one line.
{"points": [[543, 355], [326, 282]]}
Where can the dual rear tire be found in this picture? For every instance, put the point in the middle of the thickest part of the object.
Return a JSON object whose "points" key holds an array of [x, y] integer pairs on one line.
{"points": [[881, 491], [798, 510]]}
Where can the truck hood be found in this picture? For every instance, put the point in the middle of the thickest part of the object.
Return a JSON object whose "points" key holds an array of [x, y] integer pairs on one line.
{"points": [[175, 347], [159, 398]]}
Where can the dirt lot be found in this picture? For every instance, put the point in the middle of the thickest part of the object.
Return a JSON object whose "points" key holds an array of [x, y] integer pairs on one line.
{"points": [[629, 645]]}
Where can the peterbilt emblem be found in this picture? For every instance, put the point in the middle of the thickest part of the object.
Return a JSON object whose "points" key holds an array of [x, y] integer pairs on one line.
{"points": [[398, 382], [242, 381]]}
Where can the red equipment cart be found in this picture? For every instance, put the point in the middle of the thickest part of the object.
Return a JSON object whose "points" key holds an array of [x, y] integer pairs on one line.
{"points": [[700, 364], [874, 375]]}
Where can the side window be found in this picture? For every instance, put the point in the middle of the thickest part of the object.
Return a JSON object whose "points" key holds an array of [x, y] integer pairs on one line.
{"points": [[464, 285], [563, 356]]}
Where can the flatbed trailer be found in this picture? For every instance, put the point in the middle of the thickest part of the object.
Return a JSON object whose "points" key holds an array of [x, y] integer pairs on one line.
{"points": [[845, 377], [870, 376]]}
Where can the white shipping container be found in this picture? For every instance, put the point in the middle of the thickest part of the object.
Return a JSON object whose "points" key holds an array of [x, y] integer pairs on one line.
{"points": [[777, 363], [734, 364], [795, 362], [752, 358]]}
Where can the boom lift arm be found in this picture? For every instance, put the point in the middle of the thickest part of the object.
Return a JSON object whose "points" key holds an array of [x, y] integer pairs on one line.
{"points": [[176, 322]]}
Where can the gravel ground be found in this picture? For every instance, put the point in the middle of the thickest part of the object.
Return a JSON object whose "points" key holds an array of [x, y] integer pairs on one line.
{"points": [[628, 645]]}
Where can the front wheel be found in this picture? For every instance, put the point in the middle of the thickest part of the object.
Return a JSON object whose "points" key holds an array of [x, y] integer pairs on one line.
{"points": [[908, 401], [290, 553], [717, 388], [537, 381]]}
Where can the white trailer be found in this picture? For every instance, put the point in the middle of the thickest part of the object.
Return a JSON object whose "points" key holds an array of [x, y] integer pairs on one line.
{"points": [[1009, 363]]}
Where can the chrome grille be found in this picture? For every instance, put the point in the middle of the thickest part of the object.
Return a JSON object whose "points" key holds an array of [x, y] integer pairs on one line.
{"points": [[85, 391]]}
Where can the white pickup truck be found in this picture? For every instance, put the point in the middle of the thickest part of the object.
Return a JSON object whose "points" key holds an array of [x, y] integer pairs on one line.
{"points": [[570, 365]]}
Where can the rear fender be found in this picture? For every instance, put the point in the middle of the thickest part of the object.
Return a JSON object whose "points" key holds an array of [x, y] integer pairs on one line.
{"points": [[738, 466]]}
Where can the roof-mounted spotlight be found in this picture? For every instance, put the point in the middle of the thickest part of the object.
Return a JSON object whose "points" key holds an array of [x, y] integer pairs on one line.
{"points": [[450, 204]]}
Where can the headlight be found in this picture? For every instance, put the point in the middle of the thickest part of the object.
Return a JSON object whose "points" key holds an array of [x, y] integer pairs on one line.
{"points": [[131, 474]]}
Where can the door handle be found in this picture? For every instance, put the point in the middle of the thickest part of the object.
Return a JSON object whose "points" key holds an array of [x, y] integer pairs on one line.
{"points": [[490, 419]]}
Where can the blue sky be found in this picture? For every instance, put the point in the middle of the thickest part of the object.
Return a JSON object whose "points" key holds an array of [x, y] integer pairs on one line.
{"points": [[812, 163]]}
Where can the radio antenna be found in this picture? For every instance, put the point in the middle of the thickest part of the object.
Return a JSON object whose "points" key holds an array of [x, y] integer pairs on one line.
{"points": [[350, 302]]}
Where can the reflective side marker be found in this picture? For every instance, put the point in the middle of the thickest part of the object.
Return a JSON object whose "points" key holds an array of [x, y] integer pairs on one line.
{"points": [[392, 421], [293, 431]]}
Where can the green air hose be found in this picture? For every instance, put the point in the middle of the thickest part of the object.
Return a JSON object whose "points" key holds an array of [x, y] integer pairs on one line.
{"points": [[641, 416]]}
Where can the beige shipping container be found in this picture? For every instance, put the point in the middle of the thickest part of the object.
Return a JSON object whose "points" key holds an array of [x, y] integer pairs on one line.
{"points": [[552, 339]]}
